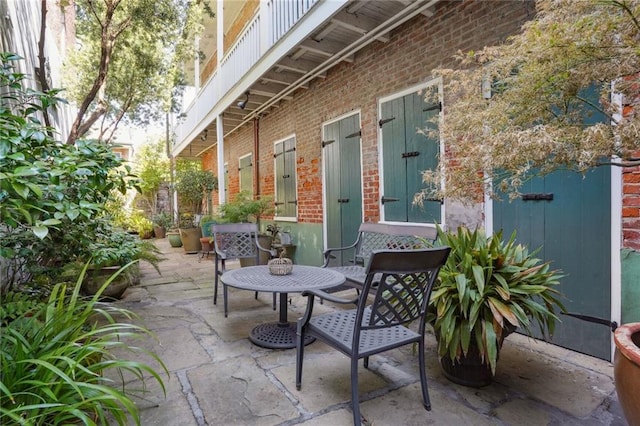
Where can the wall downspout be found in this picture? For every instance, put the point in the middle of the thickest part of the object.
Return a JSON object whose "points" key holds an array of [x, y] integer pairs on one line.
{"points": [[256, 156]]}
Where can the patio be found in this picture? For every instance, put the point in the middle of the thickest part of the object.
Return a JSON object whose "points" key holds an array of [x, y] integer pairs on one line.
{"points": [[218, 377]]}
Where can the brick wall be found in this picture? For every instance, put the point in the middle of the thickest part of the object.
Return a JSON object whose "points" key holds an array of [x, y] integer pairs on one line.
{"points": [[631, 208], [379, 70]]}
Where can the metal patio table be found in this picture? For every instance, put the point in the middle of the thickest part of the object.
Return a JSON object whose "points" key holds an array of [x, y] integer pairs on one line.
{"points": [[281, 334]]}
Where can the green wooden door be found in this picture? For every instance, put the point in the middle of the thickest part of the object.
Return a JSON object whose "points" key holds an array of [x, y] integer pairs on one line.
{"points": [[343, 187], [573, 227], [407, 151], [574, 231]]}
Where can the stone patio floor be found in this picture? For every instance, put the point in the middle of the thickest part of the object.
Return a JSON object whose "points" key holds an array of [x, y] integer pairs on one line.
{"points": [[218, 377]]}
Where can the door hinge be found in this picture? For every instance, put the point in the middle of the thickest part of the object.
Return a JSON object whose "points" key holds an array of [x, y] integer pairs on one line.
{"points": [[325, 143], [385, 121], [353, 135], [343, 200], [388, 199], [433, 107], [537, 197], [410, 154], [439, 200]]}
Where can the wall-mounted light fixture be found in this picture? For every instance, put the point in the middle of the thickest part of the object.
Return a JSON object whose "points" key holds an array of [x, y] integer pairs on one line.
{"points": [[204, 135], [243, 103]]}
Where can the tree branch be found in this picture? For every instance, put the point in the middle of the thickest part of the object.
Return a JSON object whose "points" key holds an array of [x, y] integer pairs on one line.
{"points": [[42, 61]]}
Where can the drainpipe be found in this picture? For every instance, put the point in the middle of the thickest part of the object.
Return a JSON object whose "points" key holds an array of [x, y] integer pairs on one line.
{"points": [[256, 156]]}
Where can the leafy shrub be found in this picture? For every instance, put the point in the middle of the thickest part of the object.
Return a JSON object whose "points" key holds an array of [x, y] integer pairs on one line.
{"points": [[54, 359]]}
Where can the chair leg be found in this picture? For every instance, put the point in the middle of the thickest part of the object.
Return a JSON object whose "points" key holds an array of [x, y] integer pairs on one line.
{"points": [[355, 400], [224, 297], [256, 295], [423, 375], [215, 284], [366, 362], [274, 301], [299, 356]]}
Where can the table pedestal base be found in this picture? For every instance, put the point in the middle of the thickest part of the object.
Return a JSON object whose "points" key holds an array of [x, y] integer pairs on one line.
{"points": [[276, 335]]}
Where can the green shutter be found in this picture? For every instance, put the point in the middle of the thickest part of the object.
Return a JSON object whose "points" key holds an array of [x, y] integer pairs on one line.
{"points": [[407, 151], [246, 174]]}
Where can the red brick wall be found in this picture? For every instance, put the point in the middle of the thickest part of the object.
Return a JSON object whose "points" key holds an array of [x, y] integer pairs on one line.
{"points": [[631, 207], [379, 70]]}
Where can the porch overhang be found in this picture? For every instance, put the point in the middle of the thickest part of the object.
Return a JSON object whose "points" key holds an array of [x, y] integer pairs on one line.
{"points": [[329, 33]]}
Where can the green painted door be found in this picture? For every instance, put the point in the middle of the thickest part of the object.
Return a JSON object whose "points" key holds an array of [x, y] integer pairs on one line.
{"points": [[574, 231], [572, 224], [407, 150], [343, 184]]}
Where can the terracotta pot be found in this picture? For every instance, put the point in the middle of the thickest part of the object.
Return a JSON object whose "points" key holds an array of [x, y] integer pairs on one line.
{"points": [[626, 370], [159, 231]]}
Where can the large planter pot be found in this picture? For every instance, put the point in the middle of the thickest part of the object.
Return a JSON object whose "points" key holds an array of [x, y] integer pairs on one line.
{"points": [[174, 239], [96, 277], [626, 370], [191, 240], [471, 370]]}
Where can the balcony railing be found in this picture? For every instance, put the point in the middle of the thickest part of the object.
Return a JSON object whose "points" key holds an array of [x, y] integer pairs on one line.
{"points": [[266, 28]]}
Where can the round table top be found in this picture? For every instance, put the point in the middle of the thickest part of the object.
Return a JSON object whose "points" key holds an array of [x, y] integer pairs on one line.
{"points": [[302, 278]]}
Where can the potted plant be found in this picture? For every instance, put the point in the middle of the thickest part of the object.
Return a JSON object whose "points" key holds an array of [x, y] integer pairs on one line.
{"points": [[142, 225], [161, 222], [244, 208], [193, 187], [110, 250], [487, 289]]}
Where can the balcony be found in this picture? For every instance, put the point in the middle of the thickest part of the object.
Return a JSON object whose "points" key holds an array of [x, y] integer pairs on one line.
{"points": [[282, 48]]}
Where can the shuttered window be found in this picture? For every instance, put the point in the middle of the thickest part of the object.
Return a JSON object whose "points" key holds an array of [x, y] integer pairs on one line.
{"points": [[245, 169], [285, 178], [406, 153]]}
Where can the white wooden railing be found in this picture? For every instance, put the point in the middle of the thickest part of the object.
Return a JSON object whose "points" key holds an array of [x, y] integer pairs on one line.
{"points": [[272, 23]]}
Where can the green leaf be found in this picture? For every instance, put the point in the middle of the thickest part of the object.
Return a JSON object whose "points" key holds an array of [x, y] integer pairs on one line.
{"points": [[478, 276], [40, 231]]}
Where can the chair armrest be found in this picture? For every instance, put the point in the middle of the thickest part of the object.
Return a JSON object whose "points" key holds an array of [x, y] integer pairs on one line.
{"points": [[327, 252], [302, 322], [330, 297], [272, 252]]}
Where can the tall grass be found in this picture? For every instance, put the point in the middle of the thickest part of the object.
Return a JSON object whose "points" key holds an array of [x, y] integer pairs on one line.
{"points": [[54, 359]]}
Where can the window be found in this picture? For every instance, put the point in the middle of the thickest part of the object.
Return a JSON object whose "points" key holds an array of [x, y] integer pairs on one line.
{"points": [[245, 169], [285, 178]]}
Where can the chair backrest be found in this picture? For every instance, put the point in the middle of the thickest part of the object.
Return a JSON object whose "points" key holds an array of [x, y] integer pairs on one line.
{"points": [[379, 236], [402, 281], [236, 240]]}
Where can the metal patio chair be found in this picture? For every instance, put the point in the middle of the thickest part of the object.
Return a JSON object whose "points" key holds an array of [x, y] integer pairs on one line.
{"points": [[235, 241], [404, 280]]}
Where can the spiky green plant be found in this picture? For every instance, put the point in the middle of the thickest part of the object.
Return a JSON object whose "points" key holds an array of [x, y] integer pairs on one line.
{"points": [[487, 288], [54, 359]]}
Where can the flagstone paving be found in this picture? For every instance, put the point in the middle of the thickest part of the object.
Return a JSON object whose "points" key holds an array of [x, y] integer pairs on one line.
{"points": [[217, 377]]}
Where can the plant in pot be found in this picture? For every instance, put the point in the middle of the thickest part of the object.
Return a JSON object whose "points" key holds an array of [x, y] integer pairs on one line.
{"points": [[193, 187], [142, 225], [487, 289], [107, 252], [244, 208], [161, 223]]}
